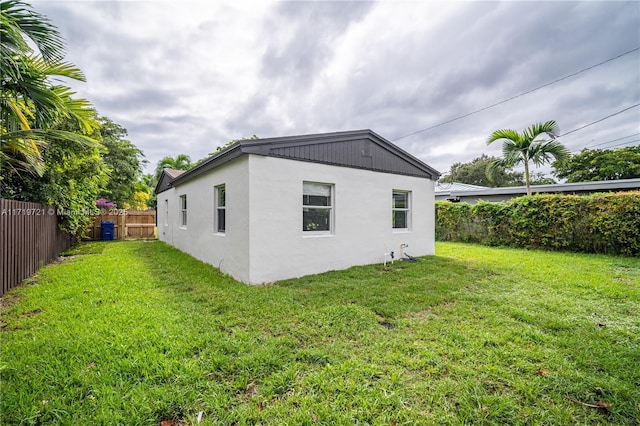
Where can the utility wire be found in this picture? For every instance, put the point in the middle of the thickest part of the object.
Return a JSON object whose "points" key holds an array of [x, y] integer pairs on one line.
{"points": [[521, 166], [598, 121], [595, 122], [623, 143], [612, 140], [609, 147], [517, 96]]}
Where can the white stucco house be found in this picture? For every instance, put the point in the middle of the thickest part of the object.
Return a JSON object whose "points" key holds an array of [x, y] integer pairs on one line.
{"points": [[270, 209]]}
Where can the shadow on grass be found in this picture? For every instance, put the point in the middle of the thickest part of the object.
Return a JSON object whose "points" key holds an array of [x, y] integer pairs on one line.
{"points": [[390, 292], [145, 333]]}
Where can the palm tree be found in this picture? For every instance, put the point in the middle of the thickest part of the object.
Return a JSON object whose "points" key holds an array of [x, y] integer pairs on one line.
{"points": [[180, 162], [525, 147], [30, 105]]}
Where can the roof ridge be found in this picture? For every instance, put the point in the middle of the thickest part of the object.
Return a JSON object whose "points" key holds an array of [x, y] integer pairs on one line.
{"points": [[268, 146]]}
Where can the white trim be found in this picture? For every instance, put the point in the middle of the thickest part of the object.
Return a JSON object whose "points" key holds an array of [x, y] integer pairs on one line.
{"points": [[406, 209], [217, 207], [183, 211], [166, 212], [321, 189]]}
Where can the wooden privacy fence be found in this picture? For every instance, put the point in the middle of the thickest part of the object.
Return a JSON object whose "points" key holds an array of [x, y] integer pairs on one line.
{"points": [[128, 224], [29, 239]]}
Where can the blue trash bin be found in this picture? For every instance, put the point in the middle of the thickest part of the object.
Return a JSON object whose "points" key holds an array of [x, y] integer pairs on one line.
{"points": [[108, 230]]}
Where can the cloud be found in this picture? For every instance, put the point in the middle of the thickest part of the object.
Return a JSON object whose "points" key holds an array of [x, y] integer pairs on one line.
{"points": [[187, 77]]}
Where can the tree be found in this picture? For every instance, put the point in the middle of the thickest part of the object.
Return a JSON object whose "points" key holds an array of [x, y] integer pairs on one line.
{"points": [[180, 162], [30, 105], [143, 195], [225, 146], [124, 161], [525, 147], [540, 179], [600, 164], [73, 177], [475, 173], [231, 142]]}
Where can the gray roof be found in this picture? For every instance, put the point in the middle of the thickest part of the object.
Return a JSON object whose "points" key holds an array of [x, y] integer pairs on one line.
{"points": [[597, 186], [457, 186], [603, 185], [360, 149], [173, 172]]}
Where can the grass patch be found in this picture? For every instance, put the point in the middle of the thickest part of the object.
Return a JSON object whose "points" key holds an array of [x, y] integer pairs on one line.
{"points": [[139, 333], [84, 248]]}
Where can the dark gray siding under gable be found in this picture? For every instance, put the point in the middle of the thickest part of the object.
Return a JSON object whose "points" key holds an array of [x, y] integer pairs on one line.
{"points": [[164, 183], [359, 153], [359, 149]]}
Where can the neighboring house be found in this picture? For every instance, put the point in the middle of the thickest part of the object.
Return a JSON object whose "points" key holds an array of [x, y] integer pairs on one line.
{"points": [[270, 209], [473, 195], [443, 190]]}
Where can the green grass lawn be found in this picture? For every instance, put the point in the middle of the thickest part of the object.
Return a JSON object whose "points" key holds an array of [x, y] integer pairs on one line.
{"points": [[140, 333]]}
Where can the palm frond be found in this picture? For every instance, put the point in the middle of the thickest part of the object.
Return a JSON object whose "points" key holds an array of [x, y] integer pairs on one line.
{"points": [[512, 158], [550, 128], [16, 113], [506, 134], [49, 104], [18, 20], [547, 151], [22, 154], [47, 135], [31, 52], [80, 110], [58, 68]]}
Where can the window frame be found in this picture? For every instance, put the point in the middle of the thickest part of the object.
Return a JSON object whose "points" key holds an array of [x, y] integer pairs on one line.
{"points": [[217, 207], [406, 210], [330, 207], [183, 211], [166, 212]]}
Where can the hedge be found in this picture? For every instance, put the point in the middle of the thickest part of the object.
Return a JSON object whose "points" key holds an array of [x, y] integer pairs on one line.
{"points": [[599, 223]]}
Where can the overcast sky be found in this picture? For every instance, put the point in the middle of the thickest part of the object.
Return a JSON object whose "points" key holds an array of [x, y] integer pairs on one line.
{"points": [[186, 77]]}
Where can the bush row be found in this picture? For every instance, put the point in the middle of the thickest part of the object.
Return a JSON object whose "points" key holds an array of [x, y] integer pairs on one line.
{"points": [[599, 223]]}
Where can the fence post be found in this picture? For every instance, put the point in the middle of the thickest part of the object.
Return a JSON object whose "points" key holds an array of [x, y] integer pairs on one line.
{"points": [[122, 219]]}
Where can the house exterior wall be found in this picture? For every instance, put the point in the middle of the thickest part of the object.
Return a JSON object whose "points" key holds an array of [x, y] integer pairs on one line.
{"points": [[362, 227], [264, 240], [228, 251]]}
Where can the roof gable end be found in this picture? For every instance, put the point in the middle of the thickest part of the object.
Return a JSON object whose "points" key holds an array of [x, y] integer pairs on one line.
{"points": [[166, 179], [360, 149]]}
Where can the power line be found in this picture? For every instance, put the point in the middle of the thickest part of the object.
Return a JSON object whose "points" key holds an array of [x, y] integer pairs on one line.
{"points": [[623, 143], [517, 96], [612, 140], [598, 121], [521, 166], [595, 122]]}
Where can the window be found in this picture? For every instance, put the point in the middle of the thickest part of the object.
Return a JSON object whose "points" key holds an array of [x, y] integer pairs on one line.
{"points": [[316, 207], [401, 209], [166, 212], [220, 224], [183, 210]]}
